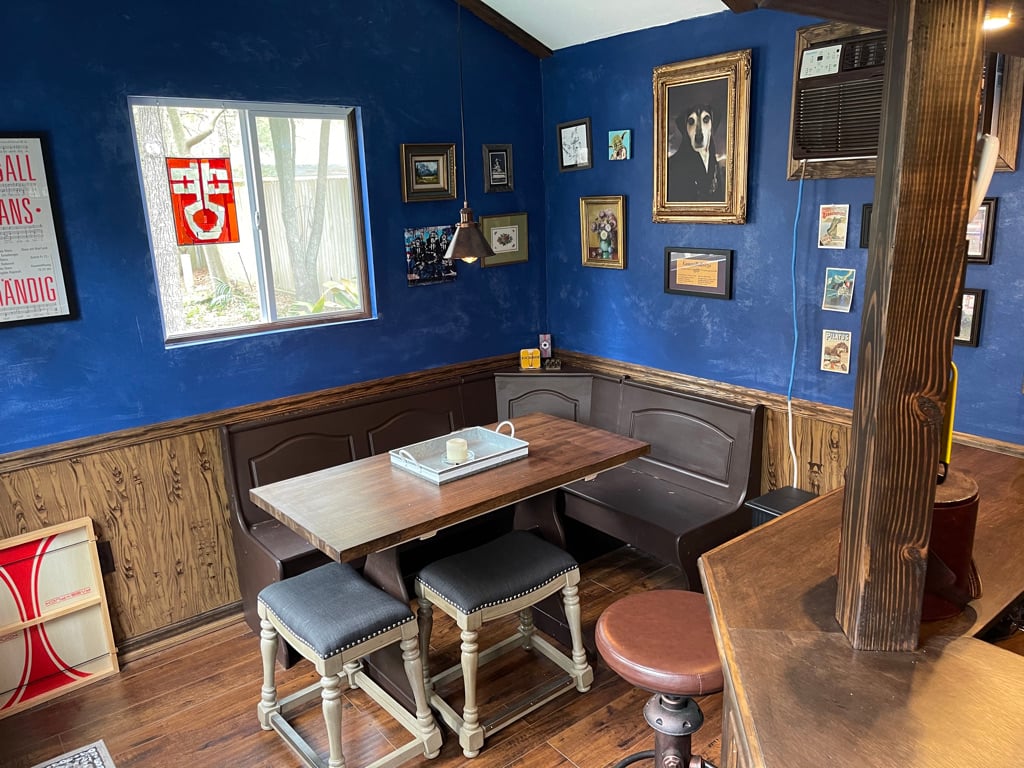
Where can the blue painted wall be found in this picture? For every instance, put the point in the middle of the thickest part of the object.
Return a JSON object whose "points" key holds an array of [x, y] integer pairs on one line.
{"points": [[68, 74], [747, 341], [108, 368]]}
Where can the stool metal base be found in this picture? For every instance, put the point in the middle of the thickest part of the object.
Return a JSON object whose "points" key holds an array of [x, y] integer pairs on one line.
{"points": [[674, 719]]}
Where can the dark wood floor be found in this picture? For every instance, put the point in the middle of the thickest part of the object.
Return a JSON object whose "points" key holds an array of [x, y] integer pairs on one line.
{"points": [[195, 705]]}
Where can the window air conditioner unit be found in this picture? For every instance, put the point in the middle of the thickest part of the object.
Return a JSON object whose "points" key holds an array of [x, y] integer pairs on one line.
{"points": [[837, 99]]}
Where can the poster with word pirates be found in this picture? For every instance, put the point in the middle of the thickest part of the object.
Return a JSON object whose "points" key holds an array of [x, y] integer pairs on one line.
{"points": [[31, 277]]}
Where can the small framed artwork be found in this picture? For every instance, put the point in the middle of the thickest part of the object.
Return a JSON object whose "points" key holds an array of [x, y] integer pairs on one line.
{"points": [[865, 225], [971, 301], [425, 255], [832, 222], [497, 167], [699, 272], [574, 145], [620, 145], [839, 283], [979, 233], [428, 172], [508, 237], [602, 220]]}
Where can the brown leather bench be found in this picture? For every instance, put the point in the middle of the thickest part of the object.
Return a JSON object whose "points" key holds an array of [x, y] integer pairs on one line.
{"points": [[687, 496]]}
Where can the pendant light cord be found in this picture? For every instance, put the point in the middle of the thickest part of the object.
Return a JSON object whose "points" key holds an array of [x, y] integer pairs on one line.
{"points": [[462, 108]]}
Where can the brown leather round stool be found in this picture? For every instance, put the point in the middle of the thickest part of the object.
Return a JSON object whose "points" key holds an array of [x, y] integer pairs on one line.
{"points": [[662, 641]]}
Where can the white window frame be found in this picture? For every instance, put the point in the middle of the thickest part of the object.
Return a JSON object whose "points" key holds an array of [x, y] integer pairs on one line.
{"points": [[269, 319]]}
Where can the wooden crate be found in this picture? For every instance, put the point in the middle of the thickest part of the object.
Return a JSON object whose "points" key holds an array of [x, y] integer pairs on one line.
{"points": [[55, 630]]}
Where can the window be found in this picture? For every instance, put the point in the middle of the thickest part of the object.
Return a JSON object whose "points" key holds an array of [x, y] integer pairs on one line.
{"points": [[255, 214]]}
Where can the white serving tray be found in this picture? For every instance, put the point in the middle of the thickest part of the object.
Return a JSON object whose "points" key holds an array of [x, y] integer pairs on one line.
{"points": [[486, 448]]}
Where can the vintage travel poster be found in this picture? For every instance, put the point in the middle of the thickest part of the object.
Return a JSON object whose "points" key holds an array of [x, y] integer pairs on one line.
{"points": [[31, 276], [835, 351], [832, 224], [838, 289]]}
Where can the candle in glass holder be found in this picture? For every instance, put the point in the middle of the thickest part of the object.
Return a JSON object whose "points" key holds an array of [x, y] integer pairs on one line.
{"points": [[456, 450]]}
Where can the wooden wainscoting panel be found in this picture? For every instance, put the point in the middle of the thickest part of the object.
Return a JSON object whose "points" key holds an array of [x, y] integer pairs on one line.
{"points": [[164, 508], [821, 445]]}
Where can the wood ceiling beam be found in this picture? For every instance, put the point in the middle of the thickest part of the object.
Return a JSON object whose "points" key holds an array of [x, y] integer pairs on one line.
{"points": [[512, 31]]}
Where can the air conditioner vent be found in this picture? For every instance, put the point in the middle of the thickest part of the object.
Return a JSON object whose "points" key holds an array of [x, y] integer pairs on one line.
{"points": [[840, 120]]}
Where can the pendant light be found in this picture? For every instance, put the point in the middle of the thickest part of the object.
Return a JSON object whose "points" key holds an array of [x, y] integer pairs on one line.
{"points": [[468, 244]]}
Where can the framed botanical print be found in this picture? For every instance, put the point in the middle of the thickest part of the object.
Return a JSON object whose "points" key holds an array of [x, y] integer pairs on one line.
{"points": [[575, 147], [508, 237], [701, 117]]}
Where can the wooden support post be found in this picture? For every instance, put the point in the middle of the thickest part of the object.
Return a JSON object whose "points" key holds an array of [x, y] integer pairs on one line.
{"points": [[915, 268]]}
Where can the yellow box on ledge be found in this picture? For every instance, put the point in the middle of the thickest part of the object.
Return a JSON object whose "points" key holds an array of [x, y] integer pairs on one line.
{"points": [[529, 359]]}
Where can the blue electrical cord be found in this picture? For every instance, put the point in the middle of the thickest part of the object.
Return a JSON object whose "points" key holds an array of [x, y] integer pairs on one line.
{"points": [[796, 330]]}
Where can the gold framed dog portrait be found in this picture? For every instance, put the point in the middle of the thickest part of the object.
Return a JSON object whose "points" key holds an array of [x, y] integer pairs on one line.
{"points": [[701, 119]]}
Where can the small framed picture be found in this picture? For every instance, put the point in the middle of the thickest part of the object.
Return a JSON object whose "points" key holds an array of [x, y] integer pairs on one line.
{"points": [[620, 145], [497, 167], [971, 301], [839, 283], [835, 351], [865, 225], [425, 255], [428, 172], [574, 145], [979, 233], [508, 237], [832, 222], [602, 220], [699, 272]]}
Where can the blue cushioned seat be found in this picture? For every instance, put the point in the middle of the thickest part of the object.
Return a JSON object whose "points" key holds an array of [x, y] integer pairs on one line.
{"points": [[503, 577], [497, 572], [332, 608], [333, 618]]}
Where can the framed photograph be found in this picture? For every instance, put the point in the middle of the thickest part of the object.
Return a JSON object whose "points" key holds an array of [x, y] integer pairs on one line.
{"points": [[497, 167], [428, 172], [425, 249], [839, 283], [699, 272], [701, 118], [865, 224], [575, 147], [602, 220], [971, 301], [620, 145], [31, 260], [508, 238], [979, 233]]}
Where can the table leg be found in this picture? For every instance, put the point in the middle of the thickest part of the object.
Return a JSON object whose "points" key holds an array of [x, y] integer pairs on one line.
{"points": [[385, 667], [544, 514]]}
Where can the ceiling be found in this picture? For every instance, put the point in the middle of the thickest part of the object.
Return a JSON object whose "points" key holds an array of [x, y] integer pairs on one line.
{"points": [[562, 23]]}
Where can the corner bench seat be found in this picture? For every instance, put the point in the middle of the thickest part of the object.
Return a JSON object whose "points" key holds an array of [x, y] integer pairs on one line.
{"points": [[682, 499]]}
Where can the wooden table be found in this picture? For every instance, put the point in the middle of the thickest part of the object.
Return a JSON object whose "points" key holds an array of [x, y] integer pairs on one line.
{"points": [[797, 694], [368, 507]]}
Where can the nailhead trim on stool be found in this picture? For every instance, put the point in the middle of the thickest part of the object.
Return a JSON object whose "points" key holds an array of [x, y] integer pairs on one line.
{"points": [[663, 641], [505, 576], [333, 617]]}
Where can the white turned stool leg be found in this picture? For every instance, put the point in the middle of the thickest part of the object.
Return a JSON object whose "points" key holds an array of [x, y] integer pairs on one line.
{"points": [[526, 627], [331, 695], [430, 734], [268, 650], [582, 670], [425, 622], [471, 735], [351, 669]]}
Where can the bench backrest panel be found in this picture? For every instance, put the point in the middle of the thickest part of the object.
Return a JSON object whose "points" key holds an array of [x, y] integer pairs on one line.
{"points": [[696, 442], [566, 395]]}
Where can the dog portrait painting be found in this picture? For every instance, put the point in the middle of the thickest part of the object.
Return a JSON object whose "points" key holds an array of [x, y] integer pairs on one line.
{"points": [[696, 143], [701, 122]]}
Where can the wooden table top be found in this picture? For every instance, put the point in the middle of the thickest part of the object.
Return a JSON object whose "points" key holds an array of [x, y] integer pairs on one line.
{"points": [[365, 506], [802, 690]]}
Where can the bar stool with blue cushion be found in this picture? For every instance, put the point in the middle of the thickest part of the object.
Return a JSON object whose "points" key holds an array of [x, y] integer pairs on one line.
{"points": [[333, 618], [505, 576]]}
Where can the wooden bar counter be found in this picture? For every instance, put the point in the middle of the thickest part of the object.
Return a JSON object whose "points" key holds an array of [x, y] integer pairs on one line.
{"points": [[797, 694]]}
